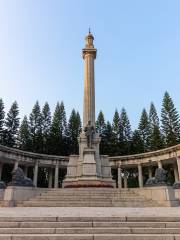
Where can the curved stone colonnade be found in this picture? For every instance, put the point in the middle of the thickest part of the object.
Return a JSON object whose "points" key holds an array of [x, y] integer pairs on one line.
{"points": [[160, 158]]}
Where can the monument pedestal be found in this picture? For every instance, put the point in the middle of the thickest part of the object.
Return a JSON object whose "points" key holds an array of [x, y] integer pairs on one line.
{"points": [[88, 169]]}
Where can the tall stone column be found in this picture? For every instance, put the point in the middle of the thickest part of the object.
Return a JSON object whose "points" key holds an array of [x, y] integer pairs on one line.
{"points": [[50, 178], [35, 173], [56, 178], [119, 177], [176, 175], [89, 54], [125, 181], [140, 176], [1, 168]]}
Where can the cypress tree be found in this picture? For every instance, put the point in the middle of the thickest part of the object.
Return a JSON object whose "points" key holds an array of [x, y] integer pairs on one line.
{"points": [[126, 132], [74, 130], [170, 121], [155, 133], [12, 125], [46, 125], [2, 115], [100, 128], [35, 120], [24, 136], [144, 130]]}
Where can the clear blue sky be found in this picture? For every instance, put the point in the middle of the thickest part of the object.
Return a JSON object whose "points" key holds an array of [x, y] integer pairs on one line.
{"points": [[138, 58]]}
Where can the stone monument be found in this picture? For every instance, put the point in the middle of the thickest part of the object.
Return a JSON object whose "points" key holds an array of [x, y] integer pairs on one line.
{"points": [[89, 168]]}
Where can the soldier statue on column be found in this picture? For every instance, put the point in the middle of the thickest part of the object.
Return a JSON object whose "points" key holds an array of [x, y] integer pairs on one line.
{"points": [[89, 133]]}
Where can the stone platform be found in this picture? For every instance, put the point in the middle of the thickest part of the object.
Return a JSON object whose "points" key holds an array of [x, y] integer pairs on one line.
{"points": [[84, 223]]}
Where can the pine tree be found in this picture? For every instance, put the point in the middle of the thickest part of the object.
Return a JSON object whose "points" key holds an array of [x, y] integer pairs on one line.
{"points": [[107, 146], [58, 132], [117, 133], [46, 125], [126, 132], [100, 124], [35, 121], [74, 130], [144, 130], [155, 133], [170, 121], [2, 115], [137, 143], [100, 128], [12, 125], [24, 136]]}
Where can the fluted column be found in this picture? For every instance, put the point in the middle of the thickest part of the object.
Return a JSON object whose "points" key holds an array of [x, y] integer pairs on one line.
{"points": [[56, 178], [50, 178], [119, 177], [140, 176], [35, 173]]}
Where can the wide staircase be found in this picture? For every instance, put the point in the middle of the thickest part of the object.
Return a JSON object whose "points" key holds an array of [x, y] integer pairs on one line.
{"points": [[87, 228], [89, 197]]}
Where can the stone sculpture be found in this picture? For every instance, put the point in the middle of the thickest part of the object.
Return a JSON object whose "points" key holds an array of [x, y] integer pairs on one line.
{"points": [[19, 179], [89, 133], [160, 178]]}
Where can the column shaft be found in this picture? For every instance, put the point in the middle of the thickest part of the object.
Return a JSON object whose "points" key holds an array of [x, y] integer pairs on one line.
{"points": [[35, 174], [150, 172], [159, 164], [119, 178], [125, 182], [178, 166], [176, 175], [56, 179], [16, 164], [140, 176], [50, 178]]}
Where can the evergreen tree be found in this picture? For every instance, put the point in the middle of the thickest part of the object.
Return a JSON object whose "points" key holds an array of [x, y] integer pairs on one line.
{"points": [[155, 133], [126, 132], [137, 143], [144, 130], [100, 124], [2, 115], [107, 146], [24, 136], [74, 130], [46, 125], [100, 128], [58, 132], [170, 121], [35, 120], [117, 133], [12, 125]]}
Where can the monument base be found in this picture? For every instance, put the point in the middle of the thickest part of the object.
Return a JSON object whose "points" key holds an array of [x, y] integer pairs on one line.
{"points": [[80, 183]]}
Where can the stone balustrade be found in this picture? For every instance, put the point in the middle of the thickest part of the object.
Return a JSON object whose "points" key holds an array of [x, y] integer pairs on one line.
{"points": [[160, 158]]}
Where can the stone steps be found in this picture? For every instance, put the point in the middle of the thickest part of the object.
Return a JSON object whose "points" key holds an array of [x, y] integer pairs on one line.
{"points": [[88, 197], [89, 228]]}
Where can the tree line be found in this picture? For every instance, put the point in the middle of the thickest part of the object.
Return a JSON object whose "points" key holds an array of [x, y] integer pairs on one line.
{"points": [[42, 132]]}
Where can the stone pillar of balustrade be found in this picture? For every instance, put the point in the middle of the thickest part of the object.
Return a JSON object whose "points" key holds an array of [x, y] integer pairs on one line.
{"points": [[160, 164], [16, 164], [125, 181]]}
